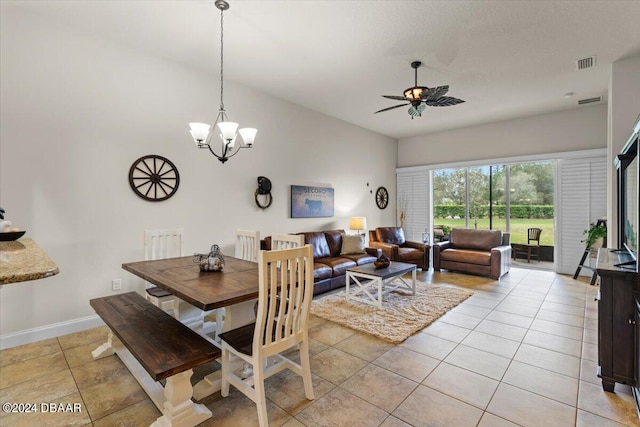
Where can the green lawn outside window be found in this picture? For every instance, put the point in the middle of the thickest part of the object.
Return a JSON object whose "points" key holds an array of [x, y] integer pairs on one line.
{"points": [[518, 227]]}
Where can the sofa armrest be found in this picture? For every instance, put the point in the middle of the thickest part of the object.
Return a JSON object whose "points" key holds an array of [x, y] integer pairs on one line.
{"points": [[376, 252], [500, 261], [437, 247], [505, 250], [415, 245], [390, 250]]}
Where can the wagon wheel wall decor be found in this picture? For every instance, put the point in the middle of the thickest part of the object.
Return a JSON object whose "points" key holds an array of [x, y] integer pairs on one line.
{"points": [[382, 197], [154, 178]]}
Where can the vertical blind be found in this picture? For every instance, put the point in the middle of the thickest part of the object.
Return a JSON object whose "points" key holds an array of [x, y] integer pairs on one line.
{"points": [[414, 196], [582, 199]]}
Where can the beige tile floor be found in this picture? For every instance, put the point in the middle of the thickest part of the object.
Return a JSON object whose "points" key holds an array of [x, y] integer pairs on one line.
{"points": [[521, 351]]}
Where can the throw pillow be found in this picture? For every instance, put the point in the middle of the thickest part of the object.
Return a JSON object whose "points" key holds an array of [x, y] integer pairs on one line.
{"points": [[352, 244]]}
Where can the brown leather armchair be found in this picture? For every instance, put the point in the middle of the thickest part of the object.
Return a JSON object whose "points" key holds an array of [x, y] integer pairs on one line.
{"points": [[485, 252], [393, 244]]}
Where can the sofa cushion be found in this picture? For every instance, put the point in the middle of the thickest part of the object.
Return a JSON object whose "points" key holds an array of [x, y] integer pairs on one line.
{"points": [[334, 240], [470, 238], [393, 235], [319, 243], [352, 244], [409, 254], [361, 259], [321, 271], [466, 256], [339, 264]]}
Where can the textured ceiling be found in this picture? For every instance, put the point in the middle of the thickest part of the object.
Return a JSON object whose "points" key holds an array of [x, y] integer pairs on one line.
{"points": [[506, 59]]}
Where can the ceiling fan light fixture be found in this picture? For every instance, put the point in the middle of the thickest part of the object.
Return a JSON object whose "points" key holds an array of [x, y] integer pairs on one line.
{"points": [[415, 93]]}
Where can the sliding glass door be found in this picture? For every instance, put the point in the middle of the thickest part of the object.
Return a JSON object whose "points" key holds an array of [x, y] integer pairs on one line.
{"points": [[531, 204], [499, 197]]}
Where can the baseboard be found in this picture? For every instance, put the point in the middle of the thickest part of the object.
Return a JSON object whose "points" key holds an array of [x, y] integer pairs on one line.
{"points": [[49, 331]]}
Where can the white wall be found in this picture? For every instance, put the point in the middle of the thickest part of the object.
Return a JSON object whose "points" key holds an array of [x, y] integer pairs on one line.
{"points": [[571, 130], [76, 111], [624, 108]]}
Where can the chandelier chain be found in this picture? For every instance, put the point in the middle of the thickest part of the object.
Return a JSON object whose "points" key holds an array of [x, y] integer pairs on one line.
{"points": [[221, 59]]}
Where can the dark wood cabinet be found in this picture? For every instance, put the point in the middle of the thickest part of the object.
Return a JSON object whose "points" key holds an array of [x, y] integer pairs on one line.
{"points": [[636, 390], [617, 321]]}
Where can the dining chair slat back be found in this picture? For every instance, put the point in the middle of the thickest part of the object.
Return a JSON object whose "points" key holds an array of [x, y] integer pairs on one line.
{"points": [[286, 241], [161, 244], [284, 301], [247, 245]]}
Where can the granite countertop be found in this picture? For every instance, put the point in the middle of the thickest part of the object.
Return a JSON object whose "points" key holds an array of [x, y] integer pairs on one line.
{"points": [[23, 260]]}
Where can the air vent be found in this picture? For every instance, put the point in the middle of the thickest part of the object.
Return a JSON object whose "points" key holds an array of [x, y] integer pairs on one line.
{"points": [[589, 100], [584, 63]]}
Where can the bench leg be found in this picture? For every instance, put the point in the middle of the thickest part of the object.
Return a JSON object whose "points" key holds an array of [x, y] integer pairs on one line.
{"points": [[105, 349], [179, 409]]}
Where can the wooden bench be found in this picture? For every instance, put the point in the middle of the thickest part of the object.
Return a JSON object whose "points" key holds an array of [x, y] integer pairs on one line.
{"points": [[154, 346]]}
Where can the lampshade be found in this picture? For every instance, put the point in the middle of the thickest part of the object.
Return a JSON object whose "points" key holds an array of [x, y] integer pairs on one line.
{"points": [[228, 130], [358, 223], [248, 135], [199, 131]]}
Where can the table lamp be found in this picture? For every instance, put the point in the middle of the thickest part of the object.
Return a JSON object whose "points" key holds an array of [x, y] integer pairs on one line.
{"points": [[358, 223]]}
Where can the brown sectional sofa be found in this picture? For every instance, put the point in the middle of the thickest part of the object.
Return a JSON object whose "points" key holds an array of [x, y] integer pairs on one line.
{"points": [[330, 267], [484, 252]]}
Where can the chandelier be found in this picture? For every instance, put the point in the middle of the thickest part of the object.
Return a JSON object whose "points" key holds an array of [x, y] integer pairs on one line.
{"points": [[227, 129]]}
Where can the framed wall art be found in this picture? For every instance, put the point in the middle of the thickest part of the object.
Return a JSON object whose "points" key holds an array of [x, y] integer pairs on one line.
{"points": [[311, 202]]}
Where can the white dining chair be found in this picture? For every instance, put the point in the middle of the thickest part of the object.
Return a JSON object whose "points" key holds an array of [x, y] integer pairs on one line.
{"points": [[286, 241], [247, 244], [161, 244], [284, 301]]}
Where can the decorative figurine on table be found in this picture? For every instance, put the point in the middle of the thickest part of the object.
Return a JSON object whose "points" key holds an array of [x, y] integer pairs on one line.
{"points": [[213, 261], [382, 262]]}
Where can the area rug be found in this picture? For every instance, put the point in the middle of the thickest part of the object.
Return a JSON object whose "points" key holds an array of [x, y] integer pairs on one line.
{"points": [[401, 315]]}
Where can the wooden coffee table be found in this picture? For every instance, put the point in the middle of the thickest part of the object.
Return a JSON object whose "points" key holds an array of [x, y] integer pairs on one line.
{"points": [[372, 283]]}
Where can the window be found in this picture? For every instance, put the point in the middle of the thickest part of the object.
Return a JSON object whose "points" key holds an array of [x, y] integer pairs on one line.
{"points": [[477, 197]]}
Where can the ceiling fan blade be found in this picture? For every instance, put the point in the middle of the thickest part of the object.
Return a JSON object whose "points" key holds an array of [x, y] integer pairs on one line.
{"points": [[436, 92], [398, 98], [417, 111], [390, 108], [443, 101]]}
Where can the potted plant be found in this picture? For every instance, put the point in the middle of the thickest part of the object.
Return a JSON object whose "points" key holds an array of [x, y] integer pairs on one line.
{"points": [[595, 236], [446, 230]]}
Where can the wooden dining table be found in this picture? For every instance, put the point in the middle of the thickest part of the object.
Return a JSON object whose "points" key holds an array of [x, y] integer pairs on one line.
{"points": [[235, 289], [207, 290]]}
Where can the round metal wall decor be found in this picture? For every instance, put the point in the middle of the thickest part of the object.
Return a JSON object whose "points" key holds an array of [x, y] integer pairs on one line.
{"points": [[382, 197], [154, 178]]}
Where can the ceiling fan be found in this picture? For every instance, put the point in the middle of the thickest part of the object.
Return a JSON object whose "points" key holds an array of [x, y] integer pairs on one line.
{"points": [[421, 96]]}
